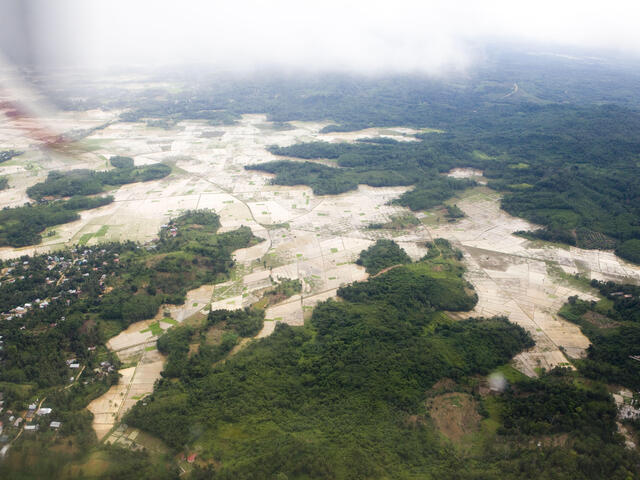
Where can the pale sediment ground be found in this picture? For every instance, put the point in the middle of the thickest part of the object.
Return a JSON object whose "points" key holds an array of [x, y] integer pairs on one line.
{"points": [[400, 134], [135, 383], [313, 300], [136, 345], [512, 277], [289, 312], [106, 407], [312, 238], [209, 174], [464, 173], [196, 301], [229, 303], [136, 334], [267, 329], [413, 244]]}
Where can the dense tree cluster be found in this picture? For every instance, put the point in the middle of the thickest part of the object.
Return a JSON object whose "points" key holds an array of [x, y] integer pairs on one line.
{"points": [[454, 212], [412, 286], [555, 404], [382, 254], [177, 343], [572, 424], [119, 161], [246, 322], [20, 226], [625, 298], [88, 182], [630, 250], [377, 165], [7, 155]]}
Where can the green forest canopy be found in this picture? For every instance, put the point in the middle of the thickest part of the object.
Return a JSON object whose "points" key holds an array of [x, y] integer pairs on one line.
{"points": [[344, 396], [304, 397], [88, 182], [612, 325], [21, 226]]}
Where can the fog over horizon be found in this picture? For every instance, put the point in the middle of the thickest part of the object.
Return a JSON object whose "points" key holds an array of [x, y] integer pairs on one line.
{"points": [[359, 36]]}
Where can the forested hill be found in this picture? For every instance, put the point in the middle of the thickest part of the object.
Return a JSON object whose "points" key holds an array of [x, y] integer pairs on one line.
{"points": [[362, 390]]}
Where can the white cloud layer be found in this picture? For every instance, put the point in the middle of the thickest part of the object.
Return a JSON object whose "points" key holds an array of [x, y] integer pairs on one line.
{"points": [[369, 35]]}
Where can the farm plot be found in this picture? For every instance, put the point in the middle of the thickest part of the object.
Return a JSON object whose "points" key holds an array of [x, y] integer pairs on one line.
{"points": [[135, 383]]}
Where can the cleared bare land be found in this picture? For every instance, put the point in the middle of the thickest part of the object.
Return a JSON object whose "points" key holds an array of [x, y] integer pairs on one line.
{"points": [[454, 414]]}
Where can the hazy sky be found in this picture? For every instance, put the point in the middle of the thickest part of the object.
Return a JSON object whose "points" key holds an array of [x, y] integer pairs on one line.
{"points": [[368, 35]]}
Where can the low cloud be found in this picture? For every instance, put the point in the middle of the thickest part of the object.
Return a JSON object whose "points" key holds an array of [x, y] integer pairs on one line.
{"points": [[364, 36]]}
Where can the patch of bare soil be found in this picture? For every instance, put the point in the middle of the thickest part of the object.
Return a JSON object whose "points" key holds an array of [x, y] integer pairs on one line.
{"points": [[443, 385], [598, 320], [214, 334], [415, 421], [454, 414], [630, 435]]}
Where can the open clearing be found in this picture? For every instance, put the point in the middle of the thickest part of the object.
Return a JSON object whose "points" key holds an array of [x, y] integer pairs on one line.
{"points": [[312, 238], [454, 414]]}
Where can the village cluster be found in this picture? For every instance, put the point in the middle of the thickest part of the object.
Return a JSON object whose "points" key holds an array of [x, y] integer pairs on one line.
{"points": [[46, 279], [34, 418], [35, 293]]}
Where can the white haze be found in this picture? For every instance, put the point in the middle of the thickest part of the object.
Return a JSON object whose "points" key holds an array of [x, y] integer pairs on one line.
{"points": [[364, 36]]}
